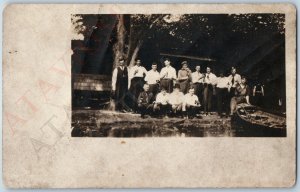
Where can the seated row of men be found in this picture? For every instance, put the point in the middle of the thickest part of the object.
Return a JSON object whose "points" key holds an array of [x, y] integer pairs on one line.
{"points": [[164, 104]]}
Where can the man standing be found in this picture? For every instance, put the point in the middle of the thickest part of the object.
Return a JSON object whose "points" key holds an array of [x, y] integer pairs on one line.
{"points": [[120, 83], [145, 101], [191, 103], [208, 83], [167, 76], [152, 78], [234, 80], [222, 94], [137, 74], [184, 77], [197, 80]]}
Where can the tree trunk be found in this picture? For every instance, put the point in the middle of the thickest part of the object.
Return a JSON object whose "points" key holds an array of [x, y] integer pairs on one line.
{"points": [[119, 45], [118, 49], [135, 53]]}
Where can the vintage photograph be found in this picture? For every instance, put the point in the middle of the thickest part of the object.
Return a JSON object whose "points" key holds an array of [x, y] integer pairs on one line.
{"points": [[169, 75], [149, 96]]}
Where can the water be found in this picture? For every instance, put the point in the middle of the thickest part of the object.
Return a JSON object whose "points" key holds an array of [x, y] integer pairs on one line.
{"points": [[94, 123]]}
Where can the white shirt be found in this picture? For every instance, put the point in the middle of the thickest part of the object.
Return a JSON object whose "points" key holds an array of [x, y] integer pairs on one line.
{"points": [[163, 99], [114, 77], [137, 71], [191, 99], [168, 73], [222, 82], [152, 77], [210, 78], [196, 77], [176, 98], [237, 80]]}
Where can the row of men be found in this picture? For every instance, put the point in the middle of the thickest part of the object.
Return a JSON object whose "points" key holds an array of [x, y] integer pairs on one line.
{"points": [[179, 104], [129, 82], [164, 104]]}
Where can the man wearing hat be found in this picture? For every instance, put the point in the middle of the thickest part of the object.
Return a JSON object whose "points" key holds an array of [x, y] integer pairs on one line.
{"points": [[184, 75], [167, 76], [120, 84], [136, 75]]}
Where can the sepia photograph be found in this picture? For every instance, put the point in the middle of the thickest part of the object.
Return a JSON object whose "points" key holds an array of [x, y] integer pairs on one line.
{"points": [[189, 75], [149, 96]]}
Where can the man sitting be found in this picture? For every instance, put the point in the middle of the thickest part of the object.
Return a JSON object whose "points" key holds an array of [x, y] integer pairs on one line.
{"points": [[176, 100], [161, 104], [191, 103], [145, 101], [242, 92]]}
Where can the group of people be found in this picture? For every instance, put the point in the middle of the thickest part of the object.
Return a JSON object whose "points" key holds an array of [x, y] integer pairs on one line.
{"points": [[185, 93]]}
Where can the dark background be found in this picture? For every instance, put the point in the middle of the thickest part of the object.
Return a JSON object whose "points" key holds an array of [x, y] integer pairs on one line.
{"points": [[253, 43]]}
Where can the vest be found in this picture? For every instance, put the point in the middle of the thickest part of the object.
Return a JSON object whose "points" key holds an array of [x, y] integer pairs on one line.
{"points": [[122, 77]]}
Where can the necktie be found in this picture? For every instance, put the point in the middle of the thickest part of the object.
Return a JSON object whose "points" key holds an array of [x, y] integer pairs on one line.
{"points": [[232, 80], [122, 68]]}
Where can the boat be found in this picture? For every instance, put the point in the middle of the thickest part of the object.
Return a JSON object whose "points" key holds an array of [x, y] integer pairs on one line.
{"points": [[255, 121]]}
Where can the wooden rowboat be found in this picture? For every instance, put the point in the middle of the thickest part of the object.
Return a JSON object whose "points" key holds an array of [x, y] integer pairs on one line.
{"points": [[259, 122]]}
